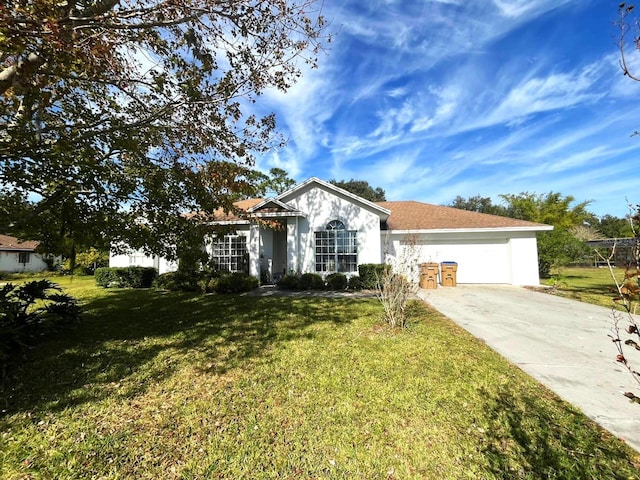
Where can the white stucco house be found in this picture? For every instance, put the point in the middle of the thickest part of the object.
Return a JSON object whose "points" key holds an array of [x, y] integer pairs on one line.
{"points": [[318, 227], [20, 256]]}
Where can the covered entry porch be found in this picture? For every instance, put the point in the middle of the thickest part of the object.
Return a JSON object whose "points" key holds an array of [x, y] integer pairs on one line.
{"points": [[274, 240]]}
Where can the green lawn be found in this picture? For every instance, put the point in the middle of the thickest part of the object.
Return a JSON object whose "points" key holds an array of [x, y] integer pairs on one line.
{"points": [[155, 385], [589, 285]]}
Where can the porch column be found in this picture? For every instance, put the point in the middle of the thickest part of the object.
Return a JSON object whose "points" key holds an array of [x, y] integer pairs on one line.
{"points": [[292, 245], [254, 250]]}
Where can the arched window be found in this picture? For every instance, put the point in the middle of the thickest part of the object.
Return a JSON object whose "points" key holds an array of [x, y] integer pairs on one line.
{"points": [[335, 225], [336, 248]]}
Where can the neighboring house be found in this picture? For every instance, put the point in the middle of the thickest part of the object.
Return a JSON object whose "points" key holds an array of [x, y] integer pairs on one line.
{"points": [[137, 258], [318, 227], [17, 256]]}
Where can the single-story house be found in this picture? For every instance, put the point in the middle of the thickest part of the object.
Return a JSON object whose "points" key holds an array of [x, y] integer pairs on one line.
{"points": [[20, 256], [318, 227]]}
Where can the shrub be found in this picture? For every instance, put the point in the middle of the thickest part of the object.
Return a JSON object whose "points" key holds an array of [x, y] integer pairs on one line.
{"points": [[355, 283], [237, 282], [370, 273], [337, 281], [107, 277], [179, 281], [394, 285], [141, 277], [190, 280], [311, 281], [289, 282], [123, 277], [28, 312]]}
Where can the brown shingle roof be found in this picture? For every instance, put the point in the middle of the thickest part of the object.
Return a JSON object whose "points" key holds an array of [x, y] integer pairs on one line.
{"points": [[410, 215], [12, 243]]}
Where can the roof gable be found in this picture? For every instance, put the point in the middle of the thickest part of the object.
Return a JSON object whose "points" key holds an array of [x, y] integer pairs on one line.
{"points": [[410, 215], [303, 186], [271, 205]]}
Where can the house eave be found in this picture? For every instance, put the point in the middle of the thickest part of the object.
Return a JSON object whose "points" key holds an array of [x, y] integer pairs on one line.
{"points": [[287, 214], [469, 230]]}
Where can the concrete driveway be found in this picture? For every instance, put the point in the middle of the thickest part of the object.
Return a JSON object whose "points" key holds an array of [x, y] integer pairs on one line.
{"points": [[561, 343]]}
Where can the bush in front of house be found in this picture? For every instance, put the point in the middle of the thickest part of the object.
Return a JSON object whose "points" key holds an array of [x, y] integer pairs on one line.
{"points": [[289, 282], [237, 282], [311, 281], [176, 282], [371, 273], [337, 281], [28, 313], [191, 280], [355, 283], [125, 277]]}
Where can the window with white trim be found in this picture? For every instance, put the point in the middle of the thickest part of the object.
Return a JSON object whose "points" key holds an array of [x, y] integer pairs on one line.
{"points": [[336, 248], [229, 253], [137, 259], [24, 257]]}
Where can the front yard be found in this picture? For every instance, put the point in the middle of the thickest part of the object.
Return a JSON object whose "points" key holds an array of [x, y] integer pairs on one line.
{"points": [[155, 385], [589, 285]]}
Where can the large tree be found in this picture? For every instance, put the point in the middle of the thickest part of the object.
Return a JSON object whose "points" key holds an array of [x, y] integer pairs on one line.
{"points": [[362, 189], [615, 227], [551, 208], [559, 246], [117, 116]]}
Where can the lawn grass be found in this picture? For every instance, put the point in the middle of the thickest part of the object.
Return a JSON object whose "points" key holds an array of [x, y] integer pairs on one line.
{"points": [[586, 284], [159, 385]]}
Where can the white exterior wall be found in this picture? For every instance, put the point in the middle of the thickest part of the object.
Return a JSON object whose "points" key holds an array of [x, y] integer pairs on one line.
{"points": [[9, 262], [482, 257], [136, 258], [320, 206], [524, 260]]}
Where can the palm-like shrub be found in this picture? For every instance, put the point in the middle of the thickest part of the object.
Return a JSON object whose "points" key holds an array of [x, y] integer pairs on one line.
{"points": [[29, 312]]}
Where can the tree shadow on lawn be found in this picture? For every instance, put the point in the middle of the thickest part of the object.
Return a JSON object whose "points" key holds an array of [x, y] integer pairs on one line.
{"points": [[131, 339], [548, 439]]}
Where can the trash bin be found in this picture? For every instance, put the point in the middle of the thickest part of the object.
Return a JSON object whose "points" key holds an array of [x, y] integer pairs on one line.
{"points": [[429, 275], [448, 274]]}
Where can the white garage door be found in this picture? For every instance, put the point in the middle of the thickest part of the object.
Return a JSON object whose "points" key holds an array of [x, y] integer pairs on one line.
{"points": [[479, 261]]}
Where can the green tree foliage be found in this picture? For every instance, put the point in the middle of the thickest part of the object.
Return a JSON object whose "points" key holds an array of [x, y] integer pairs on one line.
{"points": [[275, 182], [118, 116], [559, 246], [615, 227], [362, 189], [550, 208], [478, 204], [91, 259]]}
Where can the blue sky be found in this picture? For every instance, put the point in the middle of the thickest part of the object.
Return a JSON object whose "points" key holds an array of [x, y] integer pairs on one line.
{"points": [[434, 99]]}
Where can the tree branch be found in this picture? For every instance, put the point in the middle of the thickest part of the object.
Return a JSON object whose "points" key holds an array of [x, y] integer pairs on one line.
{"points": [[23, 69]]}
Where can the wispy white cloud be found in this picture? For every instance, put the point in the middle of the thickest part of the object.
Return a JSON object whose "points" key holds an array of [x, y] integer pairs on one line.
{"points": [[433, 99], [553, 92], [519, 8]]}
